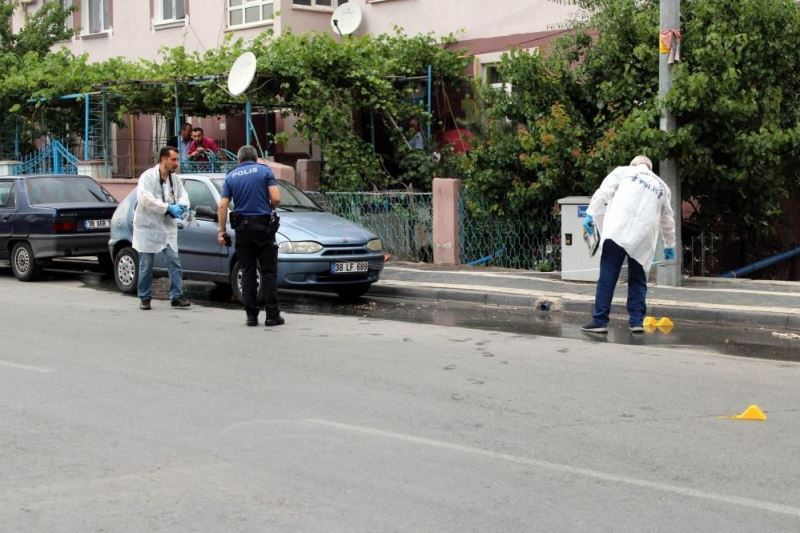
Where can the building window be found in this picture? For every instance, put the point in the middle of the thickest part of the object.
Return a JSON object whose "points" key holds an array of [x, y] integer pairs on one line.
{"points": [[332, 4], [170, 11], [242, 12], [95, 16], [67, 21]]}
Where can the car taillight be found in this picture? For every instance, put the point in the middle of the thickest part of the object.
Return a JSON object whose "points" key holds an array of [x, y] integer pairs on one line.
{"points": [[64, 226]]}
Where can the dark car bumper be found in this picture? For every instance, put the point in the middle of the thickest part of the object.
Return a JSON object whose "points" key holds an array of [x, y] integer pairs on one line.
{"points": [[46, 246]]}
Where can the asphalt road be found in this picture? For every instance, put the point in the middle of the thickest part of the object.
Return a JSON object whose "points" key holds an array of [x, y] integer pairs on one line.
{"points": [[115, 419]]}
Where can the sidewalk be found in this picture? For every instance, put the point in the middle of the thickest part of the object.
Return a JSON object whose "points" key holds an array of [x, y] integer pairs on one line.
{"points": [[773, 304]]}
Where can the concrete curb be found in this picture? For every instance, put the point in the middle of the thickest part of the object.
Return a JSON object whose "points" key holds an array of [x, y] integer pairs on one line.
{"points": [[720, 317]]}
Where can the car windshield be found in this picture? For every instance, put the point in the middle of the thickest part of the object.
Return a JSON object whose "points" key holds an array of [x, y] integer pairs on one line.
{"points": [[62, 190], [292, 198]]}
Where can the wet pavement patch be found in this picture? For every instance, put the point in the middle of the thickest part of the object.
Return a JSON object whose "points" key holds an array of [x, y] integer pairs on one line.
{"points": [[738, 340]]}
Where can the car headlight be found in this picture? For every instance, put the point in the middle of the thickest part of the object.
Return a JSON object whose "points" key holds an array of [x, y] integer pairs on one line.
{"points": [[299, 247], [375, 245]]}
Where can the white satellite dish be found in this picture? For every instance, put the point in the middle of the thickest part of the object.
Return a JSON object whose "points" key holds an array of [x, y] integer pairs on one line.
{"points": [[346, 19], [242, 72]]}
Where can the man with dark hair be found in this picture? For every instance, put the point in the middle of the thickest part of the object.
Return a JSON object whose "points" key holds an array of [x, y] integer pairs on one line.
{"points": [[255, 195], [161, 201], [182, 141], [201, 147]]}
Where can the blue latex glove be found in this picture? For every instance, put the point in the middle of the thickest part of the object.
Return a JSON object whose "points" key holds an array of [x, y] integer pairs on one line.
{"points": [[669, 254], [175, 210], [587, 224]]}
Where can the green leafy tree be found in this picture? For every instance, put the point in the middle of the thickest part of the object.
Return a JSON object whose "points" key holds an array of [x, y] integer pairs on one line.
{"points": [[736, 96]]}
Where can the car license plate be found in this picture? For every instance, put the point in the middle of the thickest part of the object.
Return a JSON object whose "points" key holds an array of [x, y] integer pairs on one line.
{"points": [[100, 223], [349, 267]]}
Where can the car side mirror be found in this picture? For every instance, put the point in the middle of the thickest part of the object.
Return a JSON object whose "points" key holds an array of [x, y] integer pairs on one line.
{"points": [[203, 211]]}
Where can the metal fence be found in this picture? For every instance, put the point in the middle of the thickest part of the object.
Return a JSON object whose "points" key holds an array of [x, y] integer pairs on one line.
{"points": [[513, 240], [52, 158], [224, 162], [403, 221]]}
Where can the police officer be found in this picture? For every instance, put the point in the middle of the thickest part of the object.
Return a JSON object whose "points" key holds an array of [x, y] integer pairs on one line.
{"points": [[255, 195]]}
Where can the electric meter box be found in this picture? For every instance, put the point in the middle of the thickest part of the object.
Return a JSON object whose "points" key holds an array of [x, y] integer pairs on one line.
{"points": [[576, 263]]}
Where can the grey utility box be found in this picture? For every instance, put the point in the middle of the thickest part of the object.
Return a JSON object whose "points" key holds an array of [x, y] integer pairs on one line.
{"points": [[576, 264]]}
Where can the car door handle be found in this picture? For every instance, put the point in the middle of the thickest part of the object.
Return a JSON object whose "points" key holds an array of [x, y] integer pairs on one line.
{"points": [[6, 218]]}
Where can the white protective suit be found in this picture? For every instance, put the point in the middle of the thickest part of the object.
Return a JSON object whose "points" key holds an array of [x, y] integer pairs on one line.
{"points": [[638, 205], [153, 228]]}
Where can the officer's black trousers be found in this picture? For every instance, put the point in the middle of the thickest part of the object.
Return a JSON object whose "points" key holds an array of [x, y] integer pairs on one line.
{"points": [[256, 248]]}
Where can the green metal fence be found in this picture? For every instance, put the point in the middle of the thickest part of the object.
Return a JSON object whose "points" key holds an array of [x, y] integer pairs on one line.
{"points": [[515, 240], [403, 221]]}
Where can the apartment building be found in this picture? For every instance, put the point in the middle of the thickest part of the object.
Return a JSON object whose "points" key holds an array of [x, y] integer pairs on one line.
{"points": [[140, 28]]}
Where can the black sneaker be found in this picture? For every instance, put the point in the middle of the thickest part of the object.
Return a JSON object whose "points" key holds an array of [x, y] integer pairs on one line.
{"points": [[252, 321], [144, 305], [636, 329], [181, 302], [276, 320], [594, 328]]}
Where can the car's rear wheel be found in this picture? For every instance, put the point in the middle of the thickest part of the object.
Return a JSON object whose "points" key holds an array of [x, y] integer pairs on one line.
{"points": [[23, 263], [126, 270], [236, 284], [353, 291]]}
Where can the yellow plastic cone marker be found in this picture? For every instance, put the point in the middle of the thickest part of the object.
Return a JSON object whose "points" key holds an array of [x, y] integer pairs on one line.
{"points": [[666, 330], [753, 412], [664, 322], [650, 321]]}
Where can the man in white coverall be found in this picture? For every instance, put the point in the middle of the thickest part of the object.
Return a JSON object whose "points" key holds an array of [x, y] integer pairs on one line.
{"points": [[161, 202], [637, 204]]}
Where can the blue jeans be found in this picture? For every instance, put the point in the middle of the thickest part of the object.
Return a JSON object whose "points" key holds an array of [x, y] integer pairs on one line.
{"points": [[145, 285], [610, 265]]}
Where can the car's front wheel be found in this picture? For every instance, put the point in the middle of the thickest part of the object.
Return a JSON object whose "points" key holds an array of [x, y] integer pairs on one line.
{"points": [[236, 284], [23, 263], [126, 270]]}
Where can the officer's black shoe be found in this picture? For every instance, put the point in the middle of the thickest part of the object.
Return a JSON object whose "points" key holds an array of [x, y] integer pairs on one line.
{"points": [[252, 320], [181, 302], [145, 305], [276, 320]]}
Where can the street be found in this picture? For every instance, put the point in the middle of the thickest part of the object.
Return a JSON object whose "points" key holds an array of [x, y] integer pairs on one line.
{"points": [[116, 419]]}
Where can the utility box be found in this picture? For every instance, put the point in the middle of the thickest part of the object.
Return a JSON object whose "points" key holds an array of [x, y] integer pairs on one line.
{"points": [[576, 263]]}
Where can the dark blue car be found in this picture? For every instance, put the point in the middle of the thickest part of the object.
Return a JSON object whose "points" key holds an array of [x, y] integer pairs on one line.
{"points": [[49, 216]]}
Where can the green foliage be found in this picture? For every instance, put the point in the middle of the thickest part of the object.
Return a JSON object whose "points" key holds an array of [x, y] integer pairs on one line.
{"points": [[322, 81], [592, 105]]}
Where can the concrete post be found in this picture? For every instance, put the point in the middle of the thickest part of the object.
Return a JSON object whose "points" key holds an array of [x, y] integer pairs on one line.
{"points": [[308, 171], [94, 169], [7, 167], [669, 274], [281, 171], [446, 221]]}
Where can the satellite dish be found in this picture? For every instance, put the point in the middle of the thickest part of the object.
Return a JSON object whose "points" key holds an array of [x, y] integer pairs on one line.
{"points": [[242, 72], [346, 19]]}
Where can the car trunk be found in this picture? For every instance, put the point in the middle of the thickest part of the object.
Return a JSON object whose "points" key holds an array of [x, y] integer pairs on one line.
{"points": [[79, 218]]}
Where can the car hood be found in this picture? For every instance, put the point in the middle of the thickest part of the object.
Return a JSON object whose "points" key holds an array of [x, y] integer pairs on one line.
{"points": [[322, 227]]}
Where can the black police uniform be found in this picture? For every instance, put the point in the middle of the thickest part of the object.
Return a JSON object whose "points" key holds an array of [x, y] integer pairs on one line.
{"points": [[256, 224]]}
